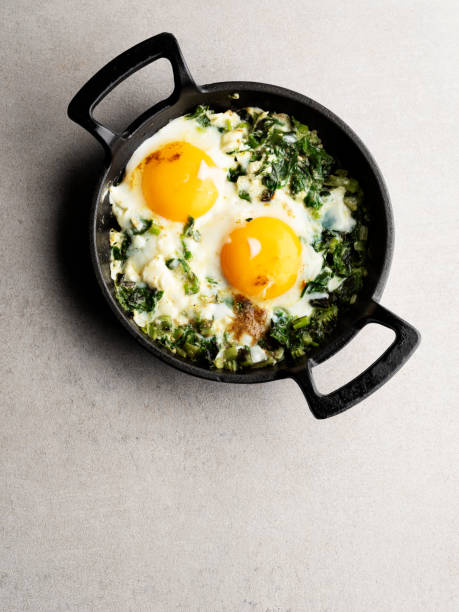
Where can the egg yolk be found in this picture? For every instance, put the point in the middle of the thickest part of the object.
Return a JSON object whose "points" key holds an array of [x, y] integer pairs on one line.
{"points": [[174, 182], [262, 258]]}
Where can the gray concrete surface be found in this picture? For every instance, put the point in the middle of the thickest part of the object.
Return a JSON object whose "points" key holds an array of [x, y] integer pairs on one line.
{"points": [[129, 486]]}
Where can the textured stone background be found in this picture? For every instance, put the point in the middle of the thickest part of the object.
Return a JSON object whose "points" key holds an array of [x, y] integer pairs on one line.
{"points": [[129, 486]]}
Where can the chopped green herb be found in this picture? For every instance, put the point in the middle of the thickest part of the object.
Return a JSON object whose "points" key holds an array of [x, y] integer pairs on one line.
{"points": [[136, 296], [189, 231], [119, 252], [245, 195], [172, 263], [301, 128], [280, 326], [186, 252], [235, 173], [312, 199], [140, 226], [292, 158], [320, 283], [230, 352], [191, 284], [188, 341], [351, 202], [200, 114], [154, 229], [301, 322]]}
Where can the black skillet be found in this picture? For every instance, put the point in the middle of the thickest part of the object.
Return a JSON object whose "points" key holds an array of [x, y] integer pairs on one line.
{"points": [[338, 139]]}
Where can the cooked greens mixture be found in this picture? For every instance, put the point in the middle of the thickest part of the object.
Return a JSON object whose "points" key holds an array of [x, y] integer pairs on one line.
{"points": [[240, 240]]}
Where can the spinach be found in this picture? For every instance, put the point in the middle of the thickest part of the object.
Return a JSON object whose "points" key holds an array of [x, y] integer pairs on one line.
{"points": [[319, 284], [299, 180], [291, 156], [235, 173], [341, 259], [340, 179], [245, 195], [293, 335], [247, 117], [154, 229], [186, 252], [191, 284], [301, 128], [140, 297], [191, 341], [120, 252], [200, 115], [325, 241], [280, 325], [142, 225], [267, 195], [313, 199], [322, 322], [351, 286], [189, 232], [172, 263]]}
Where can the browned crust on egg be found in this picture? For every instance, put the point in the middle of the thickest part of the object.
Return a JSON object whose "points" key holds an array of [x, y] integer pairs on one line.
{"points": [[250, 319], [157, 156], [261, 281]]}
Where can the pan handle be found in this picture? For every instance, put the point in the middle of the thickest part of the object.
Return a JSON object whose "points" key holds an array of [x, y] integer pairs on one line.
{"points": [[82, 106], [406, 340]]}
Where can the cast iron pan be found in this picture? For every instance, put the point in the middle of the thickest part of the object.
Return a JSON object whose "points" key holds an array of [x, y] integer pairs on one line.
{"points": [[338, 139]]}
